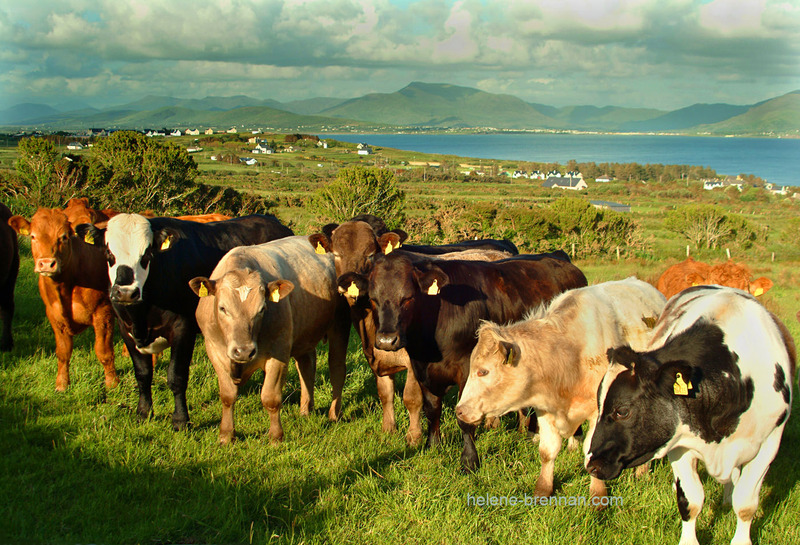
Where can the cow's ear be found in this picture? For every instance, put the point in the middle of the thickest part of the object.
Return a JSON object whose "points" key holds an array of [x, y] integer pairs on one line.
{"points": [[164, 239], [760, 286], [352, 286], [623, 355], [320, 242], [674, 378], [20, 225], [400, 233], [202, 286], [91, 234], [329, 229], [694, 279], [389, 242], [278, 289], [510, 352], [432, 280]]}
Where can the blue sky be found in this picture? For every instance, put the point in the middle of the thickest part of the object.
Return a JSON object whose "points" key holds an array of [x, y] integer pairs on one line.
{"points": [[663, 54]]}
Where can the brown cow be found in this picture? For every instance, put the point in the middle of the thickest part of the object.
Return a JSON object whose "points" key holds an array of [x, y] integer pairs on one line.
{"points": [[9, 268], [73, 283], [197, 218], [262, 305], [554, 361], [690, 273], [354, 245], [78, 212]]}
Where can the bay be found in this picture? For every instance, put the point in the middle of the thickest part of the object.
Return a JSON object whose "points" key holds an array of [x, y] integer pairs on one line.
{"points": [[775, 160]]}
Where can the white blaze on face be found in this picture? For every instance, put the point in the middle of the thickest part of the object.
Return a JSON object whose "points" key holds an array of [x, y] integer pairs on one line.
{"points": [[128, 238], [614, 370], [244, 291]]}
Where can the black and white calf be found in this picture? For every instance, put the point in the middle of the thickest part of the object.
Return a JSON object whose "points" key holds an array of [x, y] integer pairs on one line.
{"points": [[715, 385], [150, 263]]}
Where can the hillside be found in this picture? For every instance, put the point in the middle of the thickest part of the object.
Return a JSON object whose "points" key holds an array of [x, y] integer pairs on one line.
{"points": [[686, 118], [778, 115], [443, 105]]}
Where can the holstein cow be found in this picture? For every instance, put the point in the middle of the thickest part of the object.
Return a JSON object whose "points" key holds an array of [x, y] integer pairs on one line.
{"points": [[714, 384], [354, 245], [263, 305], [554, 360], [690, 273], [150, 264], [73, 285], [433, 308], [9, 268]]}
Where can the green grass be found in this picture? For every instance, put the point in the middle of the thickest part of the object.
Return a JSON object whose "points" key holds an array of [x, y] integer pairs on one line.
{"points": [[78, 467]]}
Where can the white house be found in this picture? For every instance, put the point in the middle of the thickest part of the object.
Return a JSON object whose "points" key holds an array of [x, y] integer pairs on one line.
{"points": [[263, 148], [209, 131], [603, 179], [232, 130], [176, 132], [712, 184], [565, 182], [75, 146], [193, 132], [194, 149], [364, 149]]}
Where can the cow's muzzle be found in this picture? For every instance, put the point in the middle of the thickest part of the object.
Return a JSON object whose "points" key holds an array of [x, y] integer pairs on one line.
{"points": [[242, 354], [47, 266], [389, 341], [468, 416], [125, 295], [600, 469]]}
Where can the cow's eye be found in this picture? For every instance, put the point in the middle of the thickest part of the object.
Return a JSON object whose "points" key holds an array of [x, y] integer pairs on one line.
{"points": [[482, 372], [262, 310], [110, 258], [223, 310], [146, 259], [63, 238], [405, 302], [621, 413]]}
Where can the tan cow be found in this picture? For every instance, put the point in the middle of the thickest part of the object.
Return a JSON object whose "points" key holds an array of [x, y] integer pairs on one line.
{"points": [[690, 273], [554, 361], [262, 305]]}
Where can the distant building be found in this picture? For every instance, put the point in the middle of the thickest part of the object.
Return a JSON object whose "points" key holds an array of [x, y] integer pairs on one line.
{"points": [[263, 148], [75, 146], [193, 132], [565, 182], [712, 184], [194, 149], [209, 131], [364, 149], [603, 179], [176, 132], [609, 205]]}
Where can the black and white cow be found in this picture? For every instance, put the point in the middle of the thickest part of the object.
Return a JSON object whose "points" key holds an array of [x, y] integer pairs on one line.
{"points": [[714, 385], [150, 263]]}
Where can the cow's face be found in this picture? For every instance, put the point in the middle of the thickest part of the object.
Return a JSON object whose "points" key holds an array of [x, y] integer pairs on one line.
{"points": [[242, 301], [496, 385], [51, 239], [637, 416], [130, 247], [394, 288]]}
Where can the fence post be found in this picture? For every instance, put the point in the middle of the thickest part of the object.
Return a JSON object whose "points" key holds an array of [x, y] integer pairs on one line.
{"points": [[728, 252], [573, 250], [687, 250]]}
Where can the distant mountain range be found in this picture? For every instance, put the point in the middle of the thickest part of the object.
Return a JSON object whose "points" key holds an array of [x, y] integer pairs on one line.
{"points": [[419, 105]]}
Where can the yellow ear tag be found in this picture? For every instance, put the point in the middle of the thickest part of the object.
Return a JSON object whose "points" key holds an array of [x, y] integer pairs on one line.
{"points": [[681, 388], [166, 244], [275, 295], [434, 289], [88, 239], [510, 358], [695, 284], [758, 291], [389, 248], [319, 249], [352, 290], [24, 231], [203, 291]]}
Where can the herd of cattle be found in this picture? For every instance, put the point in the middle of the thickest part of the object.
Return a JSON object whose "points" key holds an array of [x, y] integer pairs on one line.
{"points": [[704, 375]]}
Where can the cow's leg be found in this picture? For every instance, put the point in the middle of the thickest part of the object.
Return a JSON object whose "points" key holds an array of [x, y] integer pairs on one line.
{"points": [[103, 323], [6, 315], [432, 407], [63, 354], [412, 399], [689, 491], [274, 377], [549, 446], [143, 370], [178, 377], [746, 490], [338, 338], [469, 454], [307, 369], [227, 396], [386, 395]]}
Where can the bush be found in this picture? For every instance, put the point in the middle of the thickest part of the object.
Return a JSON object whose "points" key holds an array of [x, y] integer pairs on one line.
{"points": [[360, 190]]}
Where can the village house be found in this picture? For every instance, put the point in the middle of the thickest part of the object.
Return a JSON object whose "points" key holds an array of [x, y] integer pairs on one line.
{"points": [[193, 132], [610, 205], [209, 131], [565, 182], [75, 146], [263, 147], [604, 179]]}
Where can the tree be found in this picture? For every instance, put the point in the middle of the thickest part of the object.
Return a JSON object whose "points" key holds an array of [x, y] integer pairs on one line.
{"points": [[131, 168], [700, 224], [36, 166], [361, 190]]}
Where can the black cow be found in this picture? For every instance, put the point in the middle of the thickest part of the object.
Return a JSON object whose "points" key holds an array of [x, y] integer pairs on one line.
{"points": [[433, 309], [9, 268], [714, 385], [150, 264]]}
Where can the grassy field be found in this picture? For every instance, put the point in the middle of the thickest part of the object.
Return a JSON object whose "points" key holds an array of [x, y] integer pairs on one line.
{"points": [[79, 467]]}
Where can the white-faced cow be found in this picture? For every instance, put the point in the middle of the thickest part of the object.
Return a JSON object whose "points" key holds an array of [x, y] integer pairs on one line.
{"points": [[714, 385], [433, 308], [355, 244], [150, 264], [9, 268], [263, 305], [554, 360]]}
